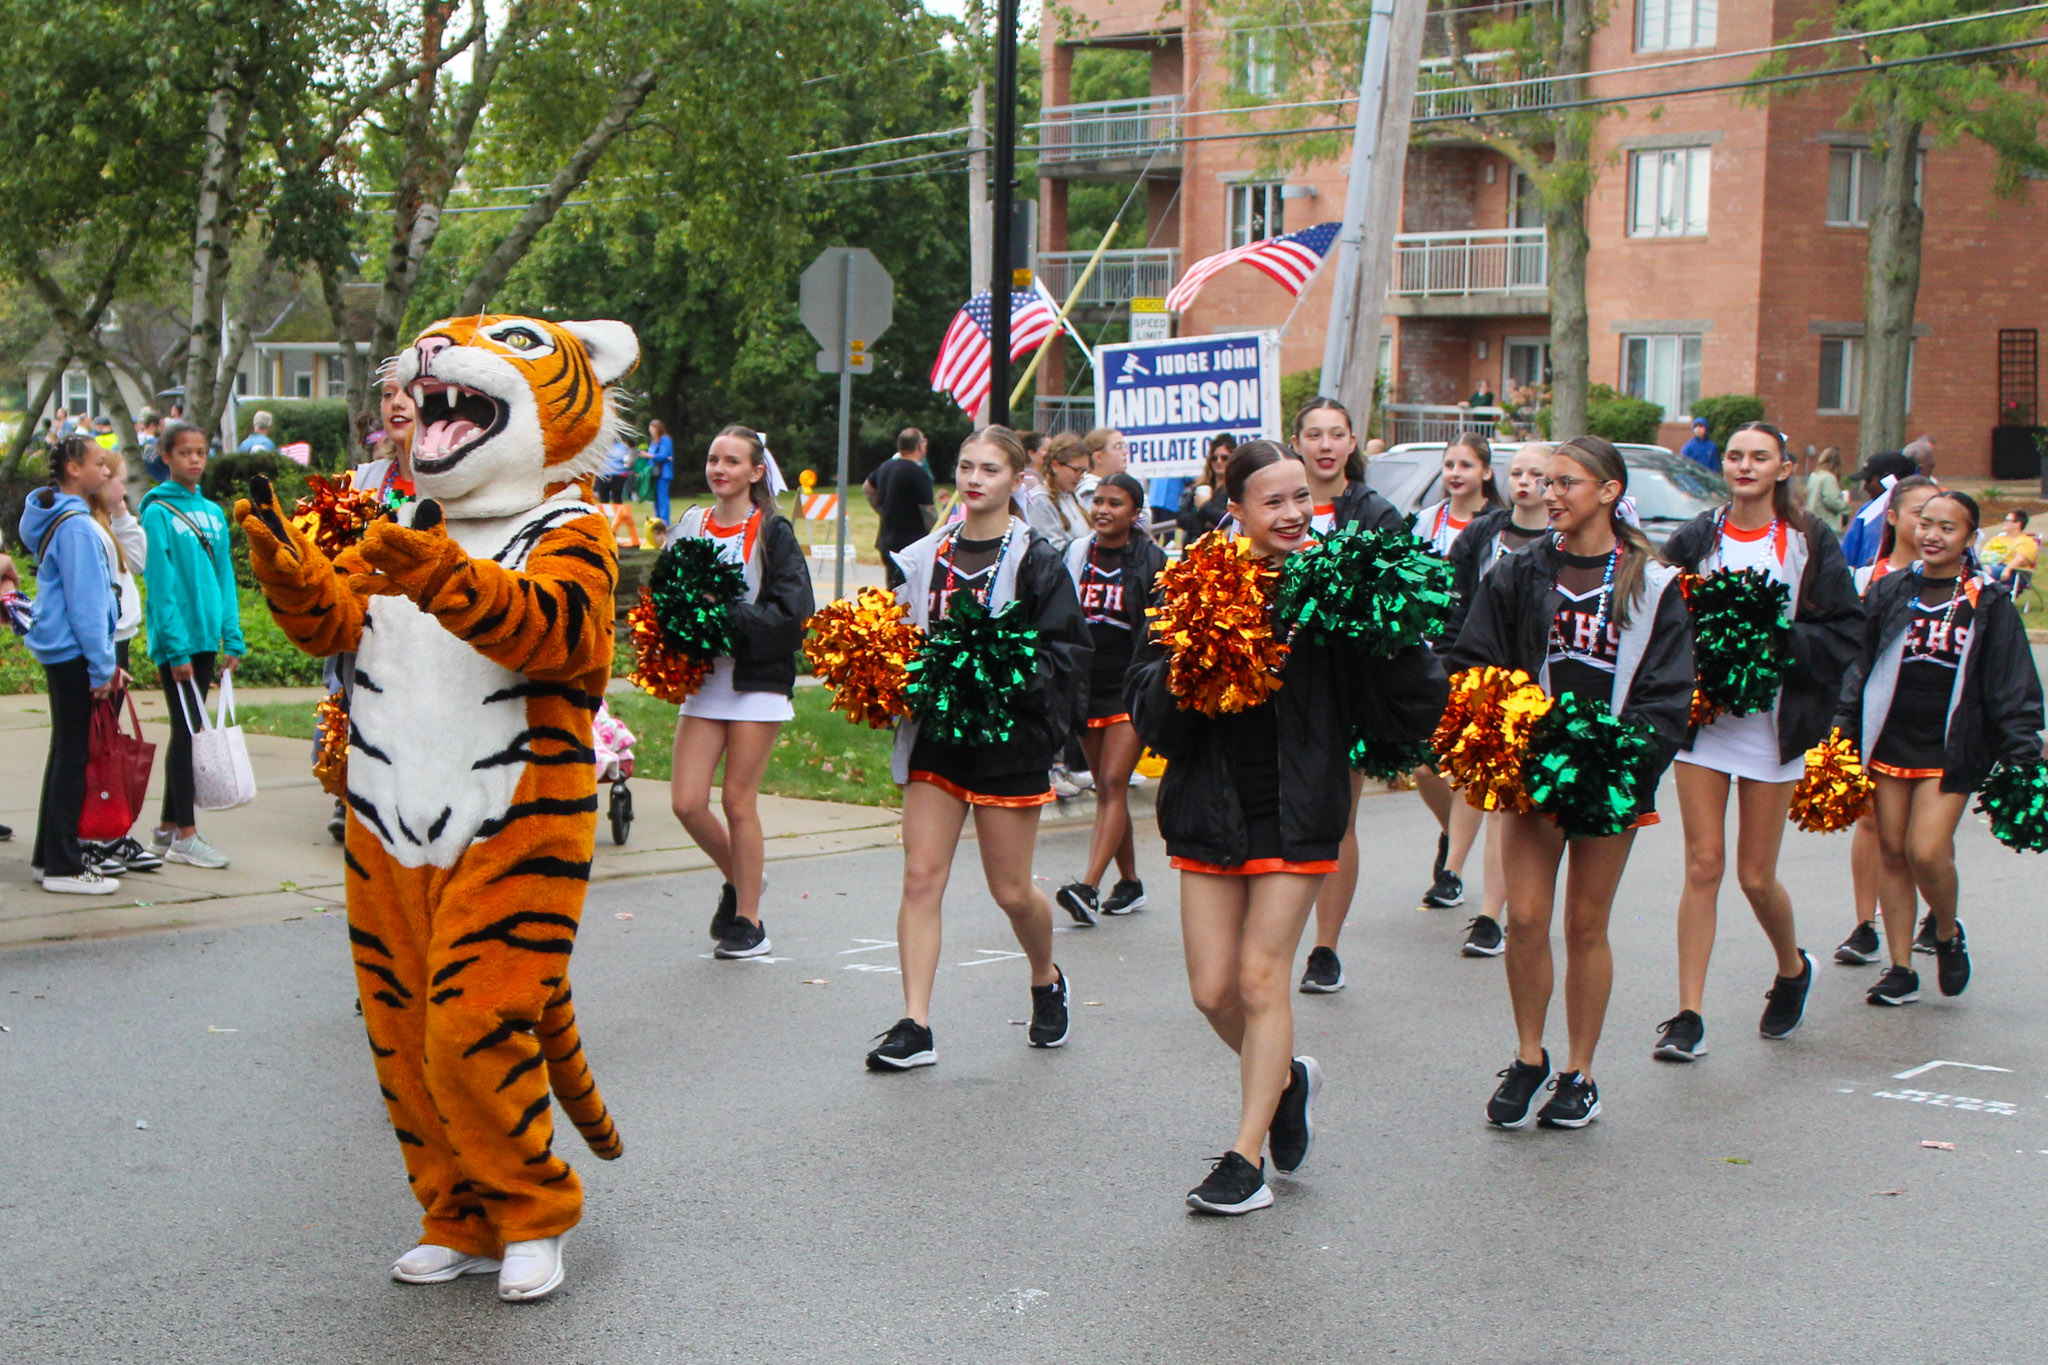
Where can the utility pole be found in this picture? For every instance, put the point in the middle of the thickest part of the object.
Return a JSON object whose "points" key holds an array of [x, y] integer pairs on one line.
{"points": [[1372, 201], [977, 187], [1005, 199]]}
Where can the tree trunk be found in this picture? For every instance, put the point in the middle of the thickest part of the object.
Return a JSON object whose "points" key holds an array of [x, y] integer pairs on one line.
{"points": [[1570, 184], [39, 400], [227, 133], [509, 252], [1891, 286], [356, 369]]}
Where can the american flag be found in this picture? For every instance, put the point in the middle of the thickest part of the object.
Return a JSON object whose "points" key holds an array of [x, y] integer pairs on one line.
{"points": [[1291, 260], [962, 366]]}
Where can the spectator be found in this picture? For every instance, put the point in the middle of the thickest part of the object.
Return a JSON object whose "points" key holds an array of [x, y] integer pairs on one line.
{"points": [[901, 490], [1034, 457], [618, 466], [1701, 449], [258, 441], [194, 620], [1824, 496], [2010, 555], [1482, 397], [661, 464], [1875, 478], [1108, 453], [1200, 507], [1921, 453], [1373, 447], [1051, 507], [60, 426], [149, 426], [73, 639]]}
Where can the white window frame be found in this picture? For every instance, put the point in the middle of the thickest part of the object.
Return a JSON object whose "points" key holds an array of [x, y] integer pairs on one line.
{"points": [[1662, 367], [1851, 376], [1861, 178], [1256, 54], [302, 383], [1676, 25], [1246, 200], [337, 374], [1668, 191]]}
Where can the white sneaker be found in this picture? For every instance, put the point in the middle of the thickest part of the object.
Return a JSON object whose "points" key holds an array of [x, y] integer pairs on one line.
{"points": [[430, 1264], [196, 852], [161, 840], [532, 1270], [1084, 779], [1062, 783], [86, 883]]}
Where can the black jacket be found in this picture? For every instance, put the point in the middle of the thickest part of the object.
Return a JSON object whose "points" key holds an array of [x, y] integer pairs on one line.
{"points": [[1358, 505], [1998, 712], [1827, 627], [1508, 626], [1195, 522], [1055, 704], [767, 632], [1143, 559], [1326, 692], [1470, 557]]}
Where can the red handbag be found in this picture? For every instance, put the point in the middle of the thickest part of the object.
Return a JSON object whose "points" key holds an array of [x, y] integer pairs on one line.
{"points": [[117, 769]]}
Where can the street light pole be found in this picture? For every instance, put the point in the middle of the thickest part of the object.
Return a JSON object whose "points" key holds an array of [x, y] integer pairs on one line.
{"points": [[1004, 200]]}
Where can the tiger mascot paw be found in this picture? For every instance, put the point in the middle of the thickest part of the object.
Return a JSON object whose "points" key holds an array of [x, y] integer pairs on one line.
{"points": [[278, 550], [415, 560]]}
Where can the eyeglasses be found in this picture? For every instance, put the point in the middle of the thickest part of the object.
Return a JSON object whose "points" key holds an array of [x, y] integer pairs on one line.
{"points": [[1565, 483], [1073, 468]]}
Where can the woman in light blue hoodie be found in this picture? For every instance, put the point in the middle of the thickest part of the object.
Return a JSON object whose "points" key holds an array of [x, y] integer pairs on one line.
{"points": [[73, 639]]}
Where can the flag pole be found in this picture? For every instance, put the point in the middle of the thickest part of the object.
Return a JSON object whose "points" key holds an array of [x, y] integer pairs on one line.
{"points": [[1073, 297]]}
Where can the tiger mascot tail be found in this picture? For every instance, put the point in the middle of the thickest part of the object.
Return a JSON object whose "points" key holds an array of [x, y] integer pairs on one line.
{"points": [[481, 620]]}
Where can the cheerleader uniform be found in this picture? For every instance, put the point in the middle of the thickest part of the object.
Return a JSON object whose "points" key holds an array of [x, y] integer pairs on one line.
{"points": [[1020, 566], [1490, 537], [1114, 586], [756, 681], [1437, 528]]}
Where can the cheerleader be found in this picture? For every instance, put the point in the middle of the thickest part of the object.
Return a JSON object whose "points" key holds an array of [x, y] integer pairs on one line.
{"points": [[1943, 687], [1761, 755], [1899, 549], [1469, 491], [1328, 447], [1000, 560], [1492, 536], [1252, 807], [736, 714], [1586, 610], [1112, 571]]}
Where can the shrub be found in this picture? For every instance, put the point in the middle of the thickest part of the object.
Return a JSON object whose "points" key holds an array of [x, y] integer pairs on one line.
{"points": [[320, 422], [1296, 389], [1727, 411], [1625, 419]]}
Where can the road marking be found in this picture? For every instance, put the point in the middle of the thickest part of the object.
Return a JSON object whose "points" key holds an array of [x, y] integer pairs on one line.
{"points": [[990, 955], [1926, 1067], [874, 945], [1965, 1104], [873, 967]]}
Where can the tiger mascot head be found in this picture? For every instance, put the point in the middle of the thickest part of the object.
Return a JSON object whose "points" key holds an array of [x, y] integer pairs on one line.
{"points": [[511, 408]]}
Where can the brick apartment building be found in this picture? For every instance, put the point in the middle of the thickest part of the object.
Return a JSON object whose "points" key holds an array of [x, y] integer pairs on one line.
{"points": [[1728, 237]]}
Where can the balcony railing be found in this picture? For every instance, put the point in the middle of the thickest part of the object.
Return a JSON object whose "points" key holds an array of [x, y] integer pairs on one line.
{"points": [[1122, 276], [1437, 421], [1108, 128], [1442, 91], [1054, 415], [1503, 261]]}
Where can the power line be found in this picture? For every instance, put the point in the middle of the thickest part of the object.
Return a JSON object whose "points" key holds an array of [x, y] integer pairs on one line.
{"points": [[882, 142]]}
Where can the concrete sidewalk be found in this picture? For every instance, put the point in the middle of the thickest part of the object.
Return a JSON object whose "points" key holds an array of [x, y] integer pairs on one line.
{"points": [[284, 864]]}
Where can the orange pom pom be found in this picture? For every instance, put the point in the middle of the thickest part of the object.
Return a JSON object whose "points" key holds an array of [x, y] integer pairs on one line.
{"points": [[334, 515], [659, 668], [1483, 733], [1215, 620], [861, 648], [1834, 791], [330, 760]]}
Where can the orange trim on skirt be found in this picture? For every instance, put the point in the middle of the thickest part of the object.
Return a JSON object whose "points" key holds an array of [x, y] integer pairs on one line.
{"points": [[1911, 774], [960, 793], [1104, 722], [1257, 867]]}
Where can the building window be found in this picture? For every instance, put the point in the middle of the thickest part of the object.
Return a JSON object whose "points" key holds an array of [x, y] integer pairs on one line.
{"points": [[1669, 25], [1852, 185], [302, 384], [1667, 192], [1255, 212], [1255, 62], [241, 383], [78, 393], [337, 374], [1663, 369], [1841, 375]]}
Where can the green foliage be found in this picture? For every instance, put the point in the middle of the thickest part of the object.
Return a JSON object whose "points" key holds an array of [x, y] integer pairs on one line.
{"points": [[321, 422], [1296, 389], [1725, 412], [272, 661], [1625, 419]]}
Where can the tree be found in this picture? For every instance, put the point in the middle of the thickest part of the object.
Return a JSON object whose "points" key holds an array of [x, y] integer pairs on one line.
{"points": [[1989, 97]]}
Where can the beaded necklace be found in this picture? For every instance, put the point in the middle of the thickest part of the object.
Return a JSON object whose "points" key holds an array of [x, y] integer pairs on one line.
{"points": [[1772, 533], [981, 595], [1948, 615], [1606, 582]]}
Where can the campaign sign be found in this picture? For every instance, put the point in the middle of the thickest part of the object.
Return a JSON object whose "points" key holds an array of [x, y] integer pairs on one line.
{"points": [[1171, 398]]}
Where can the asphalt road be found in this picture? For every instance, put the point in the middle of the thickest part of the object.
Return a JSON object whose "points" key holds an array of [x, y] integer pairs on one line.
{"points": [[777, 1202]]}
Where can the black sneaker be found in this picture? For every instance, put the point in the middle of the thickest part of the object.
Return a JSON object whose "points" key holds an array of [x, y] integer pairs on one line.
{"points": [[1923, 942], [1448, 891], [337, 823], [1324, 975], [1443, 855], [1234, 1186], [1509, 1107], [1861, 948], [1681, 1038], [1049, 1021], [1078, 900], [1952, 962], [1293, 1126], [1483, 937], [1785, 1001], [1129, 895], [728, 910], [1574, 1102], [101, 859], [132, 855], [1898, 986], [907, 1044], [746, 938]]}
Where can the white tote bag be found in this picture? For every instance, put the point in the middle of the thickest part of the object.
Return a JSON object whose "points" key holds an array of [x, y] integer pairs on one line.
{"points": [[221, 776]]}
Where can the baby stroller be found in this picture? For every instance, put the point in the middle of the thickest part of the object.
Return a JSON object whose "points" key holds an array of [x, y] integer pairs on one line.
{"points": [[614, 745]]}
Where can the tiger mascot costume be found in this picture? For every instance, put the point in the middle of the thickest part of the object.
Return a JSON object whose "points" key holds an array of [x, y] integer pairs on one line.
{"points": [[482, 627]]}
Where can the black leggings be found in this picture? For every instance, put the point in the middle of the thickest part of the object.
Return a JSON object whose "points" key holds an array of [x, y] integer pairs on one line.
{"points": [[64, 774], [177, 813]]}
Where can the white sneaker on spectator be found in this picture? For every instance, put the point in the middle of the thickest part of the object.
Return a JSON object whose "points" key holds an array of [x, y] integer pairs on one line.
{"points": [[1063, 783], [196, 852], [86, 883], [162, 839], [1084, 779]]}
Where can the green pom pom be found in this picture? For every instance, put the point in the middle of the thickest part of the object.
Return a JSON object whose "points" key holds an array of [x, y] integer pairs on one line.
{"points": [[2015, 796], [966, 677], [1381, 589], [1384, 760], [693, 587], [1739, 634], [1588, 768]]}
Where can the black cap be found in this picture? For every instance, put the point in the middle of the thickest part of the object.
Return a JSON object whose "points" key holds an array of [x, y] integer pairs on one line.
{"points": [[1885, 462]]}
